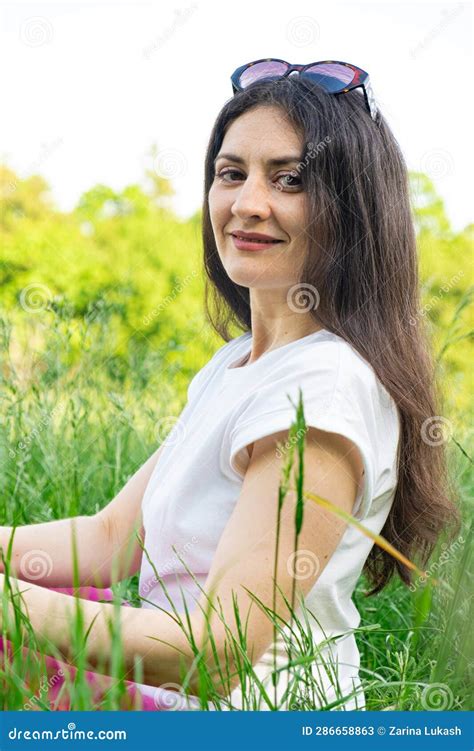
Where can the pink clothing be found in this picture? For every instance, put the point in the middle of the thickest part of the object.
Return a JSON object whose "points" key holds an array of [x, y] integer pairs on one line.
{"points": [[138, 697]]}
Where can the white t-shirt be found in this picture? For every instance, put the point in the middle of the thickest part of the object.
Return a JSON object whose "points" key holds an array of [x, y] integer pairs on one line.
{"points": [[198, 477]]}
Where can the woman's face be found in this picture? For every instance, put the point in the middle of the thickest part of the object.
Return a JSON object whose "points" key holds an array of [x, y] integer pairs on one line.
{"points": [[254, 195]]}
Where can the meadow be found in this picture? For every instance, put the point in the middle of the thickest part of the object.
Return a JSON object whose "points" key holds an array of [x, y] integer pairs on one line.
{"points": [[101, 329]]}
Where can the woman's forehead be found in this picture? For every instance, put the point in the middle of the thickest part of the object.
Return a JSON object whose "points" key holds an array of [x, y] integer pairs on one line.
{"points": [[263, 130]]}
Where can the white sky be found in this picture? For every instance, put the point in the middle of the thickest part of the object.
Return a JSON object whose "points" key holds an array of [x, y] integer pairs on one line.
{"points": [[88, 87]]}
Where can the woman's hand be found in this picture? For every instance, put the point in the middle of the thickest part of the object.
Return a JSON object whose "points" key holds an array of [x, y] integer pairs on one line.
{"points": [[152, 637]]}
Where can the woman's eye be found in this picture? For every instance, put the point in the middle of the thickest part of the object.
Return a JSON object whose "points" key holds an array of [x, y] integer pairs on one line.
{"points": [[287, 177], [290, 176], [223, 173]]}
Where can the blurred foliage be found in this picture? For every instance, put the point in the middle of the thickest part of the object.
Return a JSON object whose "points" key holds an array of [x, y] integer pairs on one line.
{"points": [[101, 330], [121, 255], [124, 257]]}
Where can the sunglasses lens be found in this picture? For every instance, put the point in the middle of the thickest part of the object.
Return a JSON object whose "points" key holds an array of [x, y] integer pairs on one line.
{"points": [[330, 76], [265, 69]]}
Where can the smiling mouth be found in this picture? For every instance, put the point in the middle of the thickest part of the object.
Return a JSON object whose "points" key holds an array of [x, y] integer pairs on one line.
{"points": [[253, 243]]}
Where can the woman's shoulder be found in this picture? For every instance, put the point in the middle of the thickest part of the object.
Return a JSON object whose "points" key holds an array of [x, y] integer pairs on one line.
{"points": [[360, 407], [346, 371], [329, 352]]}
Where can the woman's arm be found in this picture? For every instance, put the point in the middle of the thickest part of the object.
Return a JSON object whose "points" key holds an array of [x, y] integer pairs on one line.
{"points": [[107, 549], [42, 553], [122, 518], [243, 562], [154, 638]]}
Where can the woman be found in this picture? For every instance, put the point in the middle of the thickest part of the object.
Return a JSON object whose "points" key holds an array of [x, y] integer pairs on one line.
{"points": [[309, 247]]}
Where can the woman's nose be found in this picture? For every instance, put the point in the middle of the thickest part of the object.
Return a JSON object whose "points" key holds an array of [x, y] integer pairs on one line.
{"points": [[252, 198]]}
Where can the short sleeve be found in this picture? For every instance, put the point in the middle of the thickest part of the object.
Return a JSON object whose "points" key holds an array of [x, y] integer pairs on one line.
{"points": [[340, 395]]}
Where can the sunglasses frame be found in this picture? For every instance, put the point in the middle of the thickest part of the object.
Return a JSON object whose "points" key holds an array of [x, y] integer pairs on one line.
{"points": [[361, 78]]}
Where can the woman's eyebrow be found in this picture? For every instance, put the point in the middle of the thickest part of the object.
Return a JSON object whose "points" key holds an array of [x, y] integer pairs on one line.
{"points": [[273, 162]]}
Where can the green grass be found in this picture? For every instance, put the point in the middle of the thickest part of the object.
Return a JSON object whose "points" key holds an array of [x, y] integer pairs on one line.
{"points": [[76, 428]]}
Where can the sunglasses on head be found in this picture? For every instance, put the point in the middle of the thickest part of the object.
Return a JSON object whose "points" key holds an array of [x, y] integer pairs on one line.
{"points": [[334, 76]]}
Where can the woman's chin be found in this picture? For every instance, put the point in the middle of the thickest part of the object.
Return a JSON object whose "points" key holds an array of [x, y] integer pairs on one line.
{"points": [[246, 277]]}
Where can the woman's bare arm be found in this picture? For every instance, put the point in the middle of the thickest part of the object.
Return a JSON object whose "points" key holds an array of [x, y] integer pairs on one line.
{"points": [[107, 549], [122, 519], [42, 553]]}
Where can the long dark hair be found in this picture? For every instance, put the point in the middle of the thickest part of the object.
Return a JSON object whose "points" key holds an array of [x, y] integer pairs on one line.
{"points": [[362, 259]]}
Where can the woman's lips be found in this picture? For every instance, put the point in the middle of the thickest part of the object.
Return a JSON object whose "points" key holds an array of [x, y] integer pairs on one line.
{"points": [[253, 244]]}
